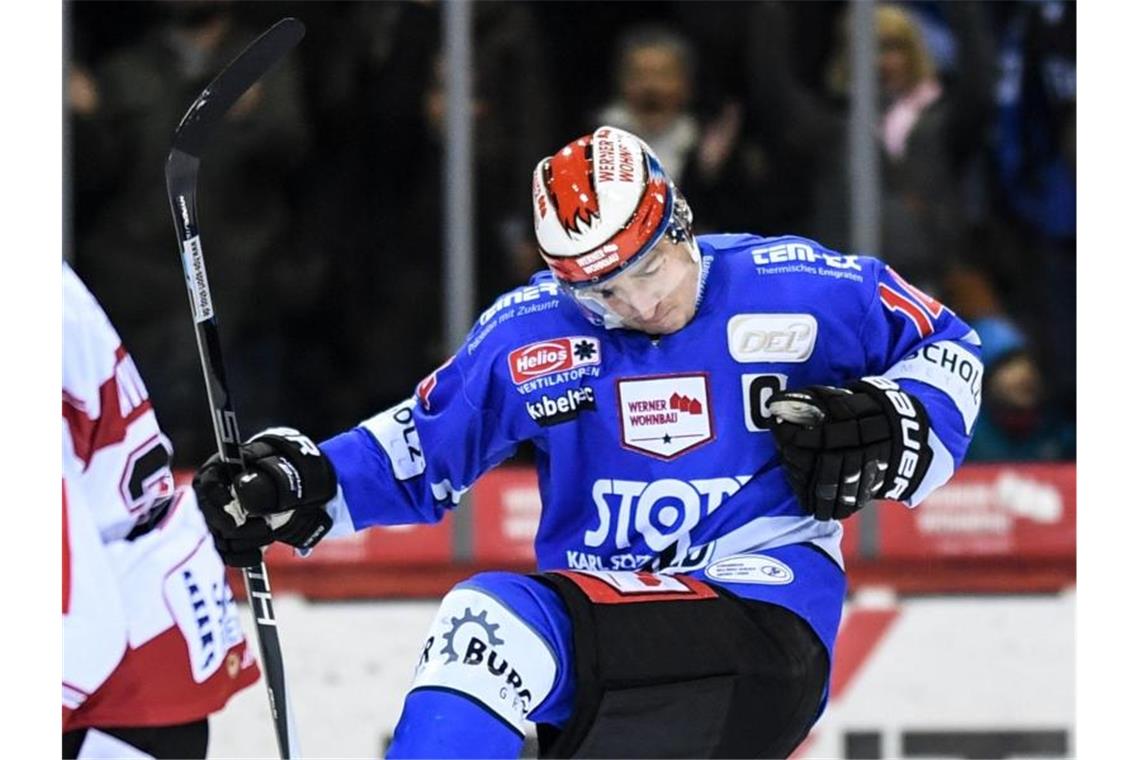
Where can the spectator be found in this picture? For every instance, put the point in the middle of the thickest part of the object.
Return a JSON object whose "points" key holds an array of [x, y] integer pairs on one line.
{"points": [[654, 83], [1035, 158], [128, 254], [724, 170], [387, 144], [1016, 422], [928, 130]]}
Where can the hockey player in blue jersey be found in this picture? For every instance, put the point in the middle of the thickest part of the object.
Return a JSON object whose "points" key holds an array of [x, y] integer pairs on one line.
{"points": [[705, 410]]}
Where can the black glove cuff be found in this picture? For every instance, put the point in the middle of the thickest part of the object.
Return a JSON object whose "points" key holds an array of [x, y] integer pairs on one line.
{"points": [[305, 528], [911, 453]]}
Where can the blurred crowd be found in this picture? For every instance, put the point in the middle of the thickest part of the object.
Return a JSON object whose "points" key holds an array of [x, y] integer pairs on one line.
{"points": [[321, 201]]}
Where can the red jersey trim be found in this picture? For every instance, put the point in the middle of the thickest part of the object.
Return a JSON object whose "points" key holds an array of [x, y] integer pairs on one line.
{"points": [[90, 435], [600, 591], [153, 686]]}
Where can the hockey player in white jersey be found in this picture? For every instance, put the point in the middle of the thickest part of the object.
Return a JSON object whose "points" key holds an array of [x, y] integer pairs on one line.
{"points": [[705, 411], [151, 640]]}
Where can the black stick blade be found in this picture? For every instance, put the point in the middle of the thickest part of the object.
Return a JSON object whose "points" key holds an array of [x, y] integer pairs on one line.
{"points": [[251, 64]]}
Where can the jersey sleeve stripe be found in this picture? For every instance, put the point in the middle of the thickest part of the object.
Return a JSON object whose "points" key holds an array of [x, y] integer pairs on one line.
{"points": [[89, 435], [896, 301], [932, 305]]}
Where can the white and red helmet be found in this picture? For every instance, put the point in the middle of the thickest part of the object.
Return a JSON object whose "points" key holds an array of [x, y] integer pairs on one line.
{"points": [[600, 203]]}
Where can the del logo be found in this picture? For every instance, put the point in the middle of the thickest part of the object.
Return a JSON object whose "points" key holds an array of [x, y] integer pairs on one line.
{"points": [[771, 337], [556, 355], [665, 416]]}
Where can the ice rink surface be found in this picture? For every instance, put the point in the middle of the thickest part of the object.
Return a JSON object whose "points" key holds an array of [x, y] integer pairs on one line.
{"points": [[348, 665], [1000, 663]]}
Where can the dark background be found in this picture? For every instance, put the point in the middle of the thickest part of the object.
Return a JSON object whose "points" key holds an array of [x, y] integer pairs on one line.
{"points": [[321, 198]]}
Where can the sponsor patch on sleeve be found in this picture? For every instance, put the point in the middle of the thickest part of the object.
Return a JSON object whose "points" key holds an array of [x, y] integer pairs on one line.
{"points": [[949, 368], [480, 648], [395, 430]]}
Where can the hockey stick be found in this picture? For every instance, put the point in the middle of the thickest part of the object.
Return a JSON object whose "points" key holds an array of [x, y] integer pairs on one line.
{"points": [[190, 139]]}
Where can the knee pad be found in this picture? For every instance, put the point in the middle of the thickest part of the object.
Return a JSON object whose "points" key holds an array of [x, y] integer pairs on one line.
{"points": [[481, 648]]}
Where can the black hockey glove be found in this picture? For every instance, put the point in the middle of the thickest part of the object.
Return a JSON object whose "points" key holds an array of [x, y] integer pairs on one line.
{"points": [[280, 497], [842, 447]]}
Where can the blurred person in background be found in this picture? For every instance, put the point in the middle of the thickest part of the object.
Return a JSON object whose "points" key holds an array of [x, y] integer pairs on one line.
{"points": [[654, 83], [151, 640], [724, 169], [928, 129], [1023, 414], [1017, 422], [693, 612], [123, 112], [378, 87], [1034, 157]]}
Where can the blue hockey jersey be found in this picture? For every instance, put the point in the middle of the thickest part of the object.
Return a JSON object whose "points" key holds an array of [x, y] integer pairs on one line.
{"points": [[656, 451]]}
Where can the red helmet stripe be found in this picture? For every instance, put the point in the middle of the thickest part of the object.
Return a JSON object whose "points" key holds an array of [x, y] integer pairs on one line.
{"points": [[571, 185]]}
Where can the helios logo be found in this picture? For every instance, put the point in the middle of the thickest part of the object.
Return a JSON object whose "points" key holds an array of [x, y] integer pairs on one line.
{"points": [[549, 411], [549, 356]]}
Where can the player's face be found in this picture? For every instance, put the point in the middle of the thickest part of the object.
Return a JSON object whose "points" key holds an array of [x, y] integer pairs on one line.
{"points": [[658, 295]]}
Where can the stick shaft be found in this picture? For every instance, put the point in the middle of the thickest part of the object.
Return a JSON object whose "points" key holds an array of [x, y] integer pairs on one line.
{"points": [[181, 181]]}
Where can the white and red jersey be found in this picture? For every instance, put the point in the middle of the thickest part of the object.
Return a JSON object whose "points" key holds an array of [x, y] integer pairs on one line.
{"points": [[151, 633]]}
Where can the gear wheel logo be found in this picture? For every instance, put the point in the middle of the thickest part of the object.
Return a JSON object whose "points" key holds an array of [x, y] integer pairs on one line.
{"points": [[458, 622]]}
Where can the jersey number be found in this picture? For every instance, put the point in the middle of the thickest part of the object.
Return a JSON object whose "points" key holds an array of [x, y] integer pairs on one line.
{"points": [[147, 480], [758, 390]]}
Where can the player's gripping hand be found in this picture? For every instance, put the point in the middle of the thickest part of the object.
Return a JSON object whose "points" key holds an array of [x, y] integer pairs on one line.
{"points": [[842, 447], [281, 496]]}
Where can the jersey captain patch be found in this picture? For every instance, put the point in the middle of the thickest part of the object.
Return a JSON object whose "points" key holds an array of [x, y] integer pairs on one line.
{"points": [[665, 416]]}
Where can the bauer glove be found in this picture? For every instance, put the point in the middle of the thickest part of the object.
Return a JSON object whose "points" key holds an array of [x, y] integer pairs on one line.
{"points": [[280, 496], [842, 447]]}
